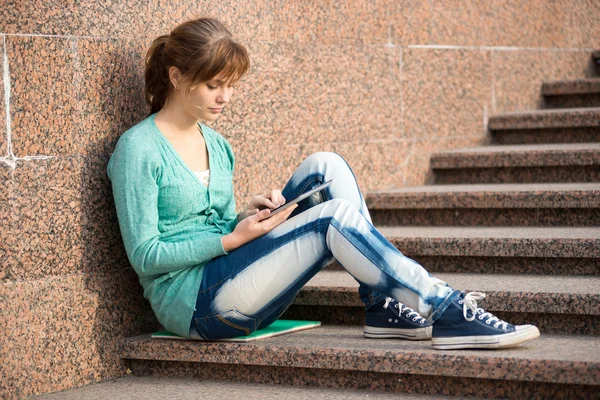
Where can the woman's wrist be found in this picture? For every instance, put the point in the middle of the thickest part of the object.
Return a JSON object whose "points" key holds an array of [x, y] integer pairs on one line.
{"points": [[230, 242]]}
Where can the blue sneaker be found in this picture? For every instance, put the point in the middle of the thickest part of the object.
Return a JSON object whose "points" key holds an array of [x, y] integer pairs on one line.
{"points": [[465, 326], [395, 320]]}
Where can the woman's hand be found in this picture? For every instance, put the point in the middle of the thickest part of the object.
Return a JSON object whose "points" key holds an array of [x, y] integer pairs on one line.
{"points": [[254, 226], [259, 202]]}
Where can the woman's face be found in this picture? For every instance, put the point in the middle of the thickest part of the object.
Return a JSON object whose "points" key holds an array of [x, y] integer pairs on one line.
{"points": [[208, 99]]}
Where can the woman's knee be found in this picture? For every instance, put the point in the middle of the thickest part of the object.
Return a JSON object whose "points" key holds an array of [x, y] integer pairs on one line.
{"points": [[340, 204], [343, 212], [327, 158]]}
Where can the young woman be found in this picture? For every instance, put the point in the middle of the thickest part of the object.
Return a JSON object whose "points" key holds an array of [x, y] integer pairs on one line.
{"points": [[209, 273]]}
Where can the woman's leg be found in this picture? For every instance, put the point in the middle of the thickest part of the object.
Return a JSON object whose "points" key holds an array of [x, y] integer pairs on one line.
{"points": [[321, 167], [314, 170], [247, 286], [389, 319]]}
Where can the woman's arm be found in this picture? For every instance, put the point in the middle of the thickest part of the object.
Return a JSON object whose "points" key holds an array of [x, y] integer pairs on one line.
{"points": [[133, 169]]}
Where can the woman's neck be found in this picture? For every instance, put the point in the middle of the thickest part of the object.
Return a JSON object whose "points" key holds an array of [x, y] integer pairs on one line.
{"points": [[177, 121]]}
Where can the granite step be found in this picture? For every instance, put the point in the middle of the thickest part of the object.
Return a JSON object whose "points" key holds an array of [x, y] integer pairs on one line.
{"points": [[552, 366], [559, 204], [534, 163], [574, 125], [574, 86], [161, 388], [556, 304], [563, 242], [500, 250], [572, 93]]}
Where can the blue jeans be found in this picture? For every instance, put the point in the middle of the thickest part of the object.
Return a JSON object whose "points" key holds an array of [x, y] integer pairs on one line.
{"points": [[251, 286]]}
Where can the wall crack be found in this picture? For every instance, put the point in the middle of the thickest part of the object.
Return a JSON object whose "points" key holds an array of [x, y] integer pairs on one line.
{"points": [[10, 158]]}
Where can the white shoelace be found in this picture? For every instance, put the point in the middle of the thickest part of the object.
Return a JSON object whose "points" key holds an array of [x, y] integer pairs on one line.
{"points": [[470, 302], [403, 308]]}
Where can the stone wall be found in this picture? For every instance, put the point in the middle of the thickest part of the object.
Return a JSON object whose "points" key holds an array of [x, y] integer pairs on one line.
{"points": [[383, 82]]}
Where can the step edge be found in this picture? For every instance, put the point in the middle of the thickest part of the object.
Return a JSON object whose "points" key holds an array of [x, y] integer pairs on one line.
{"points": [[506, 123], [410, 362], [494, 247], [571, 87], [570, 198], [527, 148], [542, 112], [548, 299]]}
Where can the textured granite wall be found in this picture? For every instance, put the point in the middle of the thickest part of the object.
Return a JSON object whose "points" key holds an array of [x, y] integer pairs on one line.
{"points": [[384, 83]]}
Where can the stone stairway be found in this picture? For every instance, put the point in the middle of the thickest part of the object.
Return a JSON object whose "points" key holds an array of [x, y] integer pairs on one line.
{"points": [[518, 219]]}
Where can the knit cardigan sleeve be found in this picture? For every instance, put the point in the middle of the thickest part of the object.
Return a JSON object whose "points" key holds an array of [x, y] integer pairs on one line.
{"points": [[230, 215], [133, 170]]}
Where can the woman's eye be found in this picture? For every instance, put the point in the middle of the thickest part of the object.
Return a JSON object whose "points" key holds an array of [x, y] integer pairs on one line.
{"points": [[211, 87]]}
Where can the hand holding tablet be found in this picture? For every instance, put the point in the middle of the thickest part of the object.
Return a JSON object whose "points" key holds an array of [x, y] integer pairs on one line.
{"points": [[303, 196], [256, 225]]}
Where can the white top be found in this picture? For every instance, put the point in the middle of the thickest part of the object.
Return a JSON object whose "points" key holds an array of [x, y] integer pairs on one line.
{"points": [[203, 176]]}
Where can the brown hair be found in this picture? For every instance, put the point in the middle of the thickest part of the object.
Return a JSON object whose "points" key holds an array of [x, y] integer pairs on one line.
{"points": [[201, 49]]}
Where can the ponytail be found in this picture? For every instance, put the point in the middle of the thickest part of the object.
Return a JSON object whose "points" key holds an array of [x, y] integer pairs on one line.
{"points": [[156, 75]]}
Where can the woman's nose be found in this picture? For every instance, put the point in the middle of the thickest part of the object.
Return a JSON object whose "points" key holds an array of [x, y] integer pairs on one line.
{"points": [[225, 96]]}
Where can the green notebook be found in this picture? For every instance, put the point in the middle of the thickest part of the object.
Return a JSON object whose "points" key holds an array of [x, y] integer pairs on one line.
{"points": [[279, 327]]}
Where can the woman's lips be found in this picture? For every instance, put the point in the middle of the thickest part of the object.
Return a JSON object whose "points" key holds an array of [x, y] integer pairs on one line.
{"points": [[215, 110]]}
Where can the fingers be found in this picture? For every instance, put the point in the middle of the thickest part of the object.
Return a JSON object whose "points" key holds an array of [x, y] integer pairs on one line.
{"points": [[271, 200], [276, 197], [262, 202], [262, 214]]}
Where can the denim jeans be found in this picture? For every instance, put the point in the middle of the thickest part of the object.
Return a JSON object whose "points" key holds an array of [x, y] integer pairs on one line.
{"points": [[251, 286]]}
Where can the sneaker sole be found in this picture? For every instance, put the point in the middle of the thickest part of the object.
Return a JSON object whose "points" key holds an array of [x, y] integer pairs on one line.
{"points": [[392, 333], [486, 342]]}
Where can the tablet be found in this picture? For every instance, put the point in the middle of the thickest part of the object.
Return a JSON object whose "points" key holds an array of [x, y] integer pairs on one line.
{"points": [[297, 199]]}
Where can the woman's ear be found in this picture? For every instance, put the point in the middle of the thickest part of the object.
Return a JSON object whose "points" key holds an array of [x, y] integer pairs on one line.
{"points": [[175, 77]]}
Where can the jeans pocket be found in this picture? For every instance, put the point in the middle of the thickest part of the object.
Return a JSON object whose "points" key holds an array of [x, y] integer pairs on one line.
{"points": [[226, 324]]}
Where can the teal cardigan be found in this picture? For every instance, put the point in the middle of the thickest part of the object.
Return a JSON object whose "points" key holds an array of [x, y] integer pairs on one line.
{"points": [[171, 224]]}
